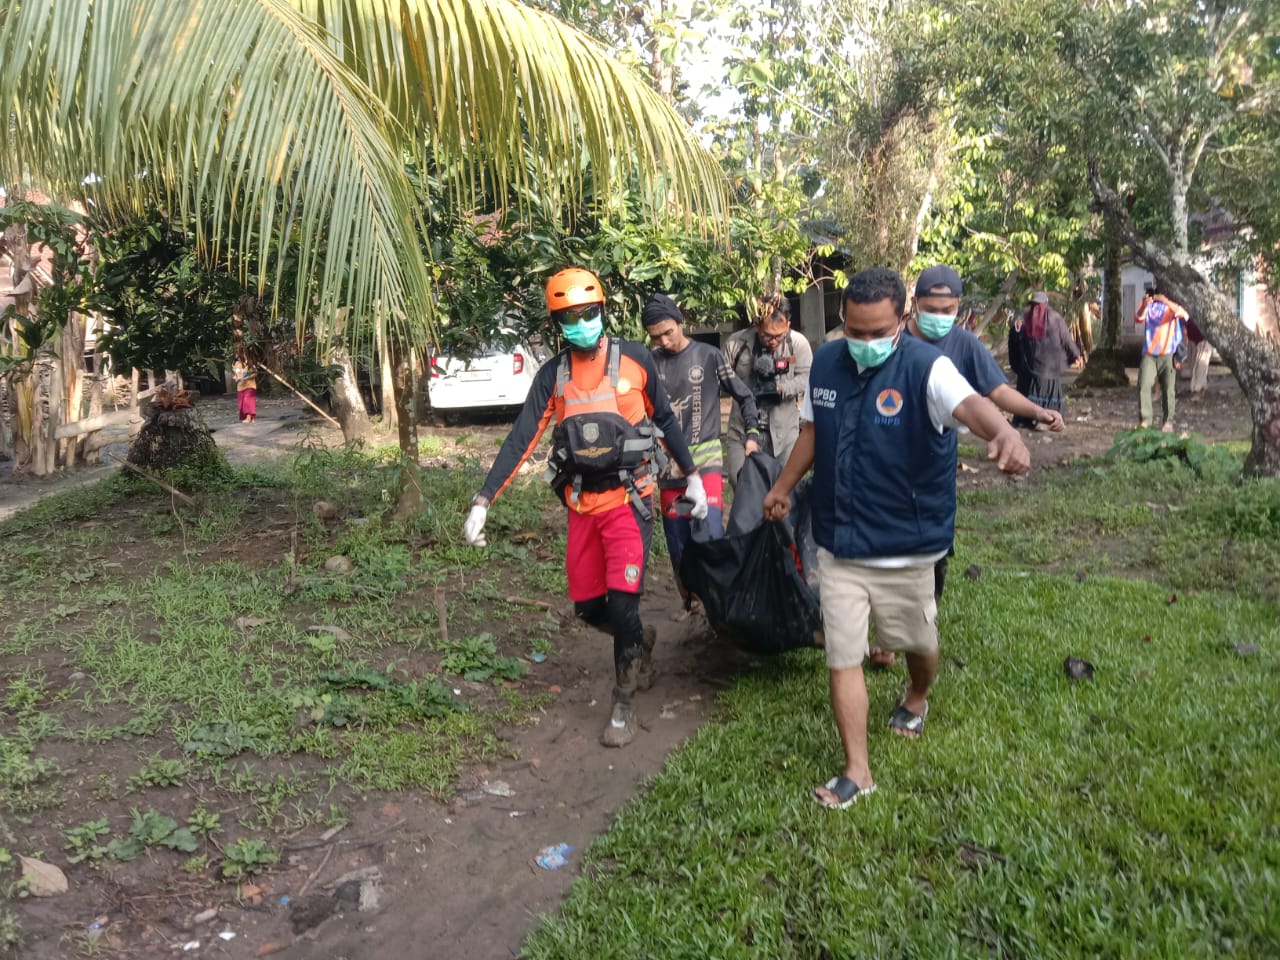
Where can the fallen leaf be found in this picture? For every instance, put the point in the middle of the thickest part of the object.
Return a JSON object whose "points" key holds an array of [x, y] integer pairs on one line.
{"points": [[45, 879], [1173, 598], [248, 623], [554, 688], [270, 947], [974, 572]]}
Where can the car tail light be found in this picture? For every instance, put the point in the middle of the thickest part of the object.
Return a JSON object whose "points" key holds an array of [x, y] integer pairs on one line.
{"points": [[431, 365], [517, 364]]}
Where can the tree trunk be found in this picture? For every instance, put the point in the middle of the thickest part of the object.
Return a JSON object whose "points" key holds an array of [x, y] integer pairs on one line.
{"points": [[88, 450], [1253, 357], [407, 378], [6, 404], [344, 395], [1106, 365], [1178, 183], [386, 384], [661, 74]]}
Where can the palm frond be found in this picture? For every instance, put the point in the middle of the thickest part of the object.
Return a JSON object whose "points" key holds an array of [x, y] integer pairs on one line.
{"points": [[481, 84], [239, 109], [286, 120]]}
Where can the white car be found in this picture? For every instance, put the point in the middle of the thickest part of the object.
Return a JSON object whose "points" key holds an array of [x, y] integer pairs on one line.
{"points": [[499, 376]]}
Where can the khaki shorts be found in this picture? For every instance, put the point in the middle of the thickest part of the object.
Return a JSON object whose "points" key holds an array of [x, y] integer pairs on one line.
{"points": [[900, 600]]}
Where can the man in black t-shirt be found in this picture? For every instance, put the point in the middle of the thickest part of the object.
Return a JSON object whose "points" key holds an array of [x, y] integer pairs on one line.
{"points": [[693, 374], [933, 318]]}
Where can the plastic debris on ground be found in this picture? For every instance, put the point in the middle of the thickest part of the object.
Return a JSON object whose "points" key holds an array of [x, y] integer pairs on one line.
{"points": [[227, 935], [553, 857], [190, 945], [537, 657], [499, 788]]}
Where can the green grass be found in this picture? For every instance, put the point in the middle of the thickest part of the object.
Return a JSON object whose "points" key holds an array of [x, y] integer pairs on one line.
{"points": [[186, 656], [1137, 815]]}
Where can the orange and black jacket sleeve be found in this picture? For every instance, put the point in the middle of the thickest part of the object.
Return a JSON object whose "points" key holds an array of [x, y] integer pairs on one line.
{"points": [[537, 412]]}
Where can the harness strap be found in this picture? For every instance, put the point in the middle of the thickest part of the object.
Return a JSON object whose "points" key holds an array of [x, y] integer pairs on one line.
{"points": [[637, 501]]}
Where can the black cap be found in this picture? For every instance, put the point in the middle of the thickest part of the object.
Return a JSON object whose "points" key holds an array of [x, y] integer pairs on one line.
{"points": [[660, 307], [939, 276]]}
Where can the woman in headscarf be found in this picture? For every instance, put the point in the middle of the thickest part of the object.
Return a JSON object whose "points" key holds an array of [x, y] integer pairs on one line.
{"points": [[1040, 352]]}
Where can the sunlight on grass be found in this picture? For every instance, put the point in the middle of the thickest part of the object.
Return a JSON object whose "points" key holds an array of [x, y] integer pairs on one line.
{"points": [[1035, 819], [1138, 815]]}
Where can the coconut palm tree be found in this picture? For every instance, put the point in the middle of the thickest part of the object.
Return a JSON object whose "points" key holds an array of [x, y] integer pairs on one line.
{"points": [[298, 116]]}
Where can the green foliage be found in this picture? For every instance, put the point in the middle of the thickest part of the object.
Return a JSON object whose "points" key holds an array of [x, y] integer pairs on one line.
{"points": [[362, 694], [476, 658], [82, 841], [159, 772], [204, 822], [1146, 444], [24, 778], [247, 857], [168, 309], [150, 829], [11, 939]]}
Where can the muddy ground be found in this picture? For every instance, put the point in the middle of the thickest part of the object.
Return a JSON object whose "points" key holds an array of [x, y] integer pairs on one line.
{"points": [[458, 877]]}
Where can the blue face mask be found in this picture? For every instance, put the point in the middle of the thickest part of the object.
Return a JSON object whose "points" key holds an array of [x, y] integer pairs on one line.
{"points": [[935, 326], [584, 334], [871, 353], [581, 325]]}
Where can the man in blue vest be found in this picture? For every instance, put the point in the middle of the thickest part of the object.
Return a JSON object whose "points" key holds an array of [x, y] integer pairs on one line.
{"points": [[878, 430]]}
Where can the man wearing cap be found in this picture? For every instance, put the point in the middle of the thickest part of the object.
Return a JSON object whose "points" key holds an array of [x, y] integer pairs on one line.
{"points": [[932, 319], [694, 373], [773, 360], [606, 398]]}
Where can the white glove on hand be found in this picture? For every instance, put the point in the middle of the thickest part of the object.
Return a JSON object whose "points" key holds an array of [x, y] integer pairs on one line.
{"points": [[697, 495], [473, 529]]}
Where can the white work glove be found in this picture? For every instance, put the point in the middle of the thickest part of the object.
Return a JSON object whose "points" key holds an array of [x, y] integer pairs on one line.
{"points": [[696, 495], [473, 529]]}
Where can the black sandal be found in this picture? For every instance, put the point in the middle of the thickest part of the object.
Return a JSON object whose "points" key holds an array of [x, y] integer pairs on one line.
{"points": [[846, 793], [908, 724]]}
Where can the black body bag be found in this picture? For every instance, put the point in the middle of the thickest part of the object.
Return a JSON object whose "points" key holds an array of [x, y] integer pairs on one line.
{"points": [[757, 586]]}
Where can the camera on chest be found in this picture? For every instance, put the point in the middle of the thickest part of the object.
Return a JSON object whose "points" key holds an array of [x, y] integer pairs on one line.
{"points": [[767, 368]]}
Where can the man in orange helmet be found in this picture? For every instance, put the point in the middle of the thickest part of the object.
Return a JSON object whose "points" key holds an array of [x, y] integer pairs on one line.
{"points": [[610, 411]]}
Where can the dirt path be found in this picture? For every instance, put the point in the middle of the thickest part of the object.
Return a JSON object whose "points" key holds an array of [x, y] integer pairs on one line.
{"points": [[458, 880], [281, 424]]}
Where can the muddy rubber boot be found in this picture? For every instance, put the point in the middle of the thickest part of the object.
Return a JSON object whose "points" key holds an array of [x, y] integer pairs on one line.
{"points": [[645, 673], [621, 726]]}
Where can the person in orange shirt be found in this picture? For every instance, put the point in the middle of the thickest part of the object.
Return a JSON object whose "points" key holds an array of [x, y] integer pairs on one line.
{"points": [[610, 412]]}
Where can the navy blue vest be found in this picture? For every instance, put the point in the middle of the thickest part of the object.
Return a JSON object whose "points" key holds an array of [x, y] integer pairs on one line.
{"points": [[884, 480]]}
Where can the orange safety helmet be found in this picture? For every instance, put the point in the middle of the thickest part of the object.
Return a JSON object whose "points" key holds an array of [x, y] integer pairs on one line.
{"points": [[573, 287]]}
